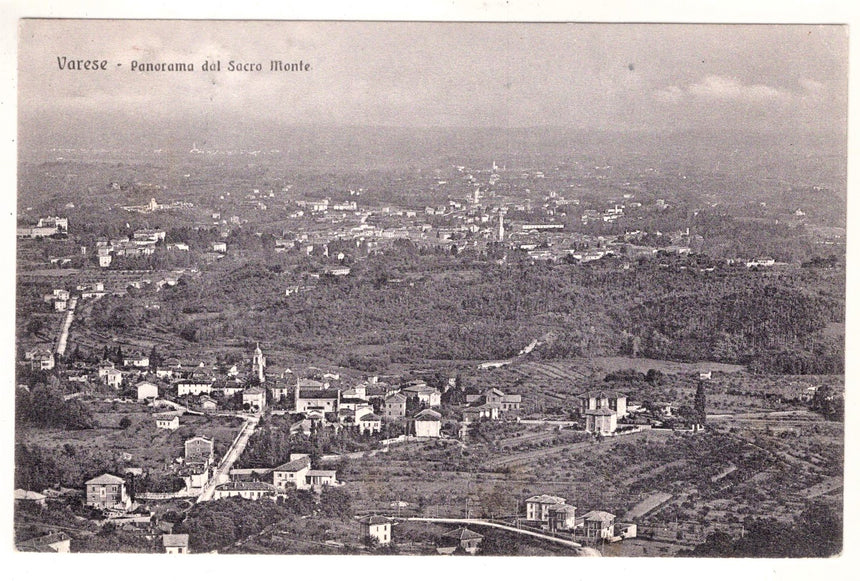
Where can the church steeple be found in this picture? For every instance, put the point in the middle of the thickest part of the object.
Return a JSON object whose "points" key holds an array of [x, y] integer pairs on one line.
{"points": [[259, 364]]}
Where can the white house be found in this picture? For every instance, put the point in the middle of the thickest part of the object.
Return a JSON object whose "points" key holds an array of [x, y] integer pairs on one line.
{"points": [[376, 527], [297, 472], [193, 386], [139, 361], [316, 479], [427, 424], [146, 390], [427, 395], [599, 524], [613, 400], [113, 378], [175, 544], [603, 421], [246, 490], [167, 421], [370, 423], [538, 507], [293, 472], [254, 398]]}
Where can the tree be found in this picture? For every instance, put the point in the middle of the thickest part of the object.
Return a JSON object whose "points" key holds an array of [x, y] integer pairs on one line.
{"points": [[124, 423], [654, 377], [699, 404], [335, 502], [154, 359], [34, 325]]}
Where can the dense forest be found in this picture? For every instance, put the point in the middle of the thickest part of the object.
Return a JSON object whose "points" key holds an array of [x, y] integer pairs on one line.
{"points": [[409, 306]]}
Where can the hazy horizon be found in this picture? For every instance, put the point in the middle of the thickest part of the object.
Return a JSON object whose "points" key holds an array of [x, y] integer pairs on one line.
{"points": [[592, 77]]}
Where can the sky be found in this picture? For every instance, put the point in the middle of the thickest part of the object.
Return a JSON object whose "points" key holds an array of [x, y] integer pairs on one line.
{"points": [[592, 76]]}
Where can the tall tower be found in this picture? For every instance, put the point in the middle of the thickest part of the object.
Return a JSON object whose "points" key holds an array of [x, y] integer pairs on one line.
{"points": [[501, 228], [259, 365]]}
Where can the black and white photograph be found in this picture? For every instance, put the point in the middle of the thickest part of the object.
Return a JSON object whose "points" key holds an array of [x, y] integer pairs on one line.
{"points": [[429, 288]]}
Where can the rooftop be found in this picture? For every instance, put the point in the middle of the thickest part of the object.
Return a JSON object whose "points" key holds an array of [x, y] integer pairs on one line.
{"points": [[246, 485], [463, 534], [598, 515], [106, 479], [295, 465], [328, 473], [428, 415], [174, 540], [601, 412], [21, 494], [305, 393], [603, 393], [546, 499]]}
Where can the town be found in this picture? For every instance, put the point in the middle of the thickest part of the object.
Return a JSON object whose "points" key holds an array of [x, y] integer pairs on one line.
{"points": [[205, 417]]}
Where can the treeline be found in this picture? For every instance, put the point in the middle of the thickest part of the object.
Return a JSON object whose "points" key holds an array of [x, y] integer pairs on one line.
{"points": [[751, 325], [217, 524], [44, 407], [38, 468]]}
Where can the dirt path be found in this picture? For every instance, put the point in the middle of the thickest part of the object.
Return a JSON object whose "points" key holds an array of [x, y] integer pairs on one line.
{"points": [[653, 501]]}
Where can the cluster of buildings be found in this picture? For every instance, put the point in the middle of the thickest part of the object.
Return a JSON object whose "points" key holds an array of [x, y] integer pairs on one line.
{"points": [[39, 359], [152, 206], [378, 529], [552, 513], [260, 483], [141, 243], [49, 226], [59, 298]]}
